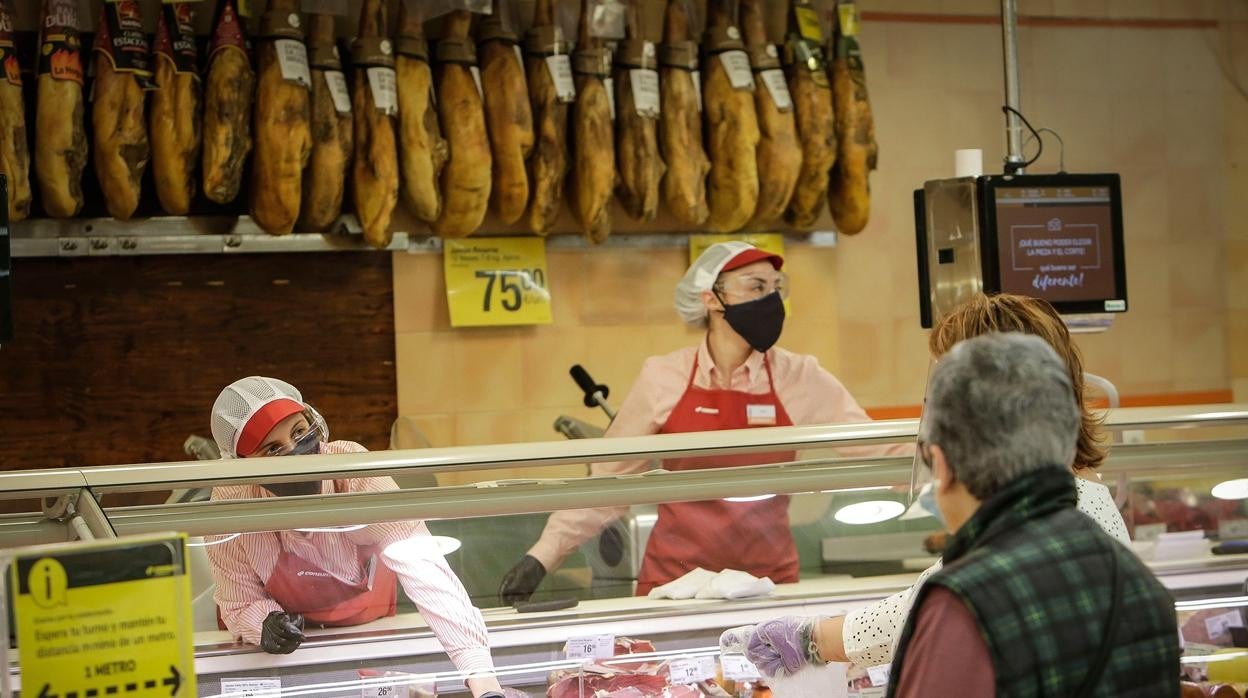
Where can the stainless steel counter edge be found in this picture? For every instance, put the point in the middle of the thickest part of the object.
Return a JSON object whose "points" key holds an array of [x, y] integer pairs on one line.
{"points": [[161, 476]]}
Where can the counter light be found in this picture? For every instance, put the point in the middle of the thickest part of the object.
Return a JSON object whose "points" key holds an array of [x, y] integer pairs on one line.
{"points": [[869, 512], [1231, 489], [423, 548], [757, 498]]}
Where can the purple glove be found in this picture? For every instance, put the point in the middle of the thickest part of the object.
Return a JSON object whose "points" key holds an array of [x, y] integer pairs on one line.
{"points": [[782, 644]]}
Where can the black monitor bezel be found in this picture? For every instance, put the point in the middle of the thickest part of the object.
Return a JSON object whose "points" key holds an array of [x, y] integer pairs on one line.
{"points": [[990, 251]]}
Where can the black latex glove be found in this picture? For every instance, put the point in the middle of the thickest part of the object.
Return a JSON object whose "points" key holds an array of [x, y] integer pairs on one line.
{"points": [[281, 633], [521, 581]]}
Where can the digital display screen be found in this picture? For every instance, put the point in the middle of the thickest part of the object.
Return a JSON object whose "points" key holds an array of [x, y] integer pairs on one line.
{"points": [[1057, 243]]}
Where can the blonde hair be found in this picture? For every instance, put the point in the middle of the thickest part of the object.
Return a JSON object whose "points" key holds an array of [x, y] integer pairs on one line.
{"points": [[1007, 312]]}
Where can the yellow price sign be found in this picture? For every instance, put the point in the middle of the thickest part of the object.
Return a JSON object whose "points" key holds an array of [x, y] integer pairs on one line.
{"points": [[496, 281], [808, 24], [849, 17], [109, 618]]}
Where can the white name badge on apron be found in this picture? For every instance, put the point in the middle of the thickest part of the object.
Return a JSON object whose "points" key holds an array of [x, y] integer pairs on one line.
{"points": [[760, 415]]}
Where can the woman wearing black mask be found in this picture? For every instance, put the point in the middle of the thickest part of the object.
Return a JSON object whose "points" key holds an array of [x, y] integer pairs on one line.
{"points": [[270, 585], [736, 378]]}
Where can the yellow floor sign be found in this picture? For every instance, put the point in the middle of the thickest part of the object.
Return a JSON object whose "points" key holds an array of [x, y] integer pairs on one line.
{"points": [[105, 619]]}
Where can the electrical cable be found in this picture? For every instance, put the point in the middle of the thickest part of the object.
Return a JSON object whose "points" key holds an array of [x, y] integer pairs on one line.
{"points": [[1061, 150], [1014, 167]]}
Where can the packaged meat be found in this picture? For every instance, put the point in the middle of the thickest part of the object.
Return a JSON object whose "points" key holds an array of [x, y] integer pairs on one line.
{"points": [[551, 89], [467, 177], [422, 150], [60, 131], [779, 152], [508, 113], [325, 178], [812, 101], [732, 131], [282, 120], [229, 92], [122, 77], [593, 145], [638, 102], [684, 185], [14, 150], [375, 103], [175, 113], [849, 195]]}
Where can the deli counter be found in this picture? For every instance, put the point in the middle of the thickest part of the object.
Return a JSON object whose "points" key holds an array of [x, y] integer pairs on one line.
{"points": [[1163, 467]]}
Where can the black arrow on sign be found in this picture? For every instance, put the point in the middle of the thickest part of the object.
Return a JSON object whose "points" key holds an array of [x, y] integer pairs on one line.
{"points": [[174, 681]]}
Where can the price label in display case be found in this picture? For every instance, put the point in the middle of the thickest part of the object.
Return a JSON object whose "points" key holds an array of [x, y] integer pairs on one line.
{"points": [[692, 670], [590, 647], [497, 281], [737, 668]]}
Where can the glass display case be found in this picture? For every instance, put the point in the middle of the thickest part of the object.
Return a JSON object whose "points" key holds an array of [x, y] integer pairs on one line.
{"points": [[835, 493]]}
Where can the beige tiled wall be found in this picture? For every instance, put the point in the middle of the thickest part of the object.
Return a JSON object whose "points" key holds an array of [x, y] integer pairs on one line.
{"points": [[1149, 102]]}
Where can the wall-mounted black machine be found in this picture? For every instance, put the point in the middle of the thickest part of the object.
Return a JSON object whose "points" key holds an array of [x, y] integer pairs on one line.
{"points": [[6, 263], [1051, 236]]}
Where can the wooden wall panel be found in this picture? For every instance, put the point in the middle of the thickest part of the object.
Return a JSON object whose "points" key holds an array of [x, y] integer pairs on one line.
{"points": [[118, 360]]}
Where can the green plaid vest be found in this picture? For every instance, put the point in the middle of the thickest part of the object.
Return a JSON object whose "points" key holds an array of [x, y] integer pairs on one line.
{"points": [[1038, 576]]}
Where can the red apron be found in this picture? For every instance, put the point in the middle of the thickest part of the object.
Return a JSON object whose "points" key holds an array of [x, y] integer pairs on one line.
{"points": [[299, 586], [717, 535], [323, 599]]}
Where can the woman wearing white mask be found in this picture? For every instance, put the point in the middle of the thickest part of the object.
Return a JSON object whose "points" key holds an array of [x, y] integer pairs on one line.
{"points": [[735, 378], [269, 585]]}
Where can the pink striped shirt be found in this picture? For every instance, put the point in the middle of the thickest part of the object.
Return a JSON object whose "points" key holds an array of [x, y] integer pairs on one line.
{"points": [[241, 567], [809, 393]]}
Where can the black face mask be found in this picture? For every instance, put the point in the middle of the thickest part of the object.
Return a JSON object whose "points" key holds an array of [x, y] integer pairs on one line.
{"points": [[294, 489], [759, 322], [304, 447]]}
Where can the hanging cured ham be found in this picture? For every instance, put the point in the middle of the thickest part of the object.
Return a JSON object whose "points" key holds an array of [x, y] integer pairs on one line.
{"points": [[684, 184], [422, 150], [122, 77], [508, 114], [732, 133], [779, 152], [849, 195], [175, 113], [282, 124], [60, 131], [593, 172], [229, 92], [324, 180], [816, 125], [551, 89], [638, 103], [467, 177], [375, 101], [14, 151]]}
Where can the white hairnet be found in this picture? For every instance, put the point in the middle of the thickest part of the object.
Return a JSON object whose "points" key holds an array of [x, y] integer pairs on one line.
{"points": [[238, 402], [701, 277]]}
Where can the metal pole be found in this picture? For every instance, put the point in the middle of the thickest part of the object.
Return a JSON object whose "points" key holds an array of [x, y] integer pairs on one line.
{"points": [[1013, 126]]}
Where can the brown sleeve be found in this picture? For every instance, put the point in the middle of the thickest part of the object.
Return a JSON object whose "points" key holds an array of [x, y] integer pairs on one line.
{"points": [[947, 656]]}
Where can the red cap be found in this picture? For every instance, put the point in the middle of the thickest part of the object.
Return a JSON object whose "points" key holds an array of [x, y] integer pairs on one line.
{"points": [[752, 255], [263, 421]]}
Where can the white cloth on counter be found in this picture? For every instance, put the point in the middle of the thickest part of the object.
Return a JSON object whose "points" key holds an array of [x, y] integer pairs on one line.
{"points": [[870, 633], [704, 584]]}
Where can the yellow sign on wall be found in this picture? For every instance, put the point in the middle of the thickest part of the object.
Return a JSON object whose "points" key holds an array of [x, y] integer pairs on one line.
{"points": [[496, 281], [110, 618]]}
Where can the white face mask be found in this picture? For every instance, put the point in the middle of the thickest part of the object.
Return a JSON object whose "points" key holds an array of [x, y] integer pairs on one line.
{"points": [[927, 500]]}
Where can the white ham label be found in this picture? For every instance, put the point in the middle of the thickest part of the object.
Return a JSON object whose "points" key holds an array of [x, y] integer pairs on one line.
{"points": [[292, 59], [337, 84], [560, 68], [381, 81], [779, 89], [476, 77], [737, 64], [609, 84], [645, 85], [697, 87]]}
